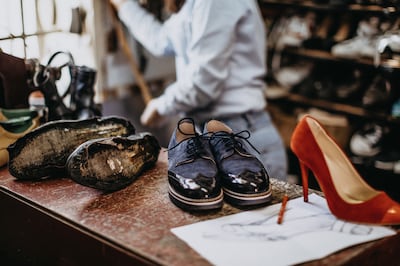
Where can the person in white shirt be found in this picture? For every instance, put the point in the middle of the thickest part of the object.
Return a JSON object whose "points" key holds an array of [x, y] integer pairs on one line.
{"points": [[219, 48]]}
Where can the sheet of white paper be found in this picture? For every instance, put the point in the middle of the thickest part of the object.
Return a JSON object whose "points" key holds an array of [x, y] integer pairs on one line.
{"points": [[309, 231]]}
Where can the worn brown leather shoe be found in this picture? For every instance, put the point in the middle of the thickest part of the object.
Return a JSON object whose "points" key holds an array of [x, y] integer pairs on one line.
{"points": [[44, 151], [112, 163]]}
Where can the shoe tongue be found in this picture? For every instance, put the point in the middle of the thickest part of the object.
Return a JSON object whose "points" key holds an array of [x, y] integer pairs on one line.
{"points": [[185, 131], [216, 126], [220, 134]]}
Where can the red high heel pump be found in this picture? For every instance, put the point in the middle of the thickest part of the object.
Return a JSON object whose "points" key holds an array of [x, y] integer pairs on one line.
{"points": [[348, 196]]}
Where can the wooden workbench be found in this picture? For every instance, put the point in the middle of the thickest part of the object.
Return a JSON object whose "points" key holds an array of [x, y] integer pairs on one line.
{"points": [[59, 222]]}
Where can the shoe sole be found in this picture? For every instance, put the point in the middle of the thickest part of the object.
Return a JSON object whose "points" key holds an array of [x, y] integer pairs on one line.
{"points": [[112, 163], [44, 151], [189, 204], [240, 199]]}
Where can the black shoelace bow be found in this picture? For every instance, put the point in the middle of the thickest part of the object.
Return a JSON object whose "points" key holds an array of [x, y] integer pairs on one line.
{"points": [[231, 140], [195, 148]]}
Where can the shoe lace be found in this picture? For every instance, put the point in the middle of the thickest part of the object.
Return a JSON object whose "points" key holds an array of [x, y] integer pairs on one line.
{"points": [[195, 148], [231, 141]]}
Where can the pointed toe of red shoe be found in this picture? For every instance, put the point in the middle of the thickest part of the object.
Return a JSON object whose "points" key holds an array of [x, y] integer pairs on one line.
{"points": [[392, 215]]}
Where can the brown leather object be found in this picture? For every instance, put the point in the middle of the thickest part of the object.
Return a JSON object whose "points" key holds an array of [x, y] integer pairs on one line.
{"points": [[14, 91]]}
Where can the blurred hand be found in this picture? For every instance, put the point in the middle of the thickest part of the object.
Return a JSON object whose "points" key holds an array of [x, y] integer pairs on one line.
{"points": [[150, 116]]}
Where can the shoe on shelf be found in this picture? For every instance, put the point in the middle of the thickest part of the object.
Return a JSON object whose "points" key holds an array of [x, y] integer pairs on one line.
{"points": [[244, 180], [44, 151], [290, 76], [391, 40], [14, 124], [368, 141], [112, 163], [192, 171], [320, 34], [348, 196], [344, 30], [324, 88], [330, 32], [319, 84], [363, 44], [351, 85], [388, 161], [291, 31], [333, 32], [355, 48], [379, 94]]}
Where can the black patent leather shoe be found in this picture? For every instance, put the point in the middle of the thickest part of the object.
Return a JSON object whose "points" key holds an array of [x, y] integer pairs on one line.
{"points": [[192, 171], [244, 180], [44, 151], [112, 163]]}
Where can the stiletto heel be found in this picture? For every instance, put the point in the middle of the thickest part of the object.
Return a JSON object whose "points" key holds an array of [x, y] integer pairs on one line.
{"points": [[348, 196], [304, 177]]}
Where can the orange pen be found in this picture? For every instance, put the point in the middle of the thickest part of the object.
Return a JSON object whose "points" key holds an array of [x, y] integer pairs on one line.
{"points": [[283, 208]]}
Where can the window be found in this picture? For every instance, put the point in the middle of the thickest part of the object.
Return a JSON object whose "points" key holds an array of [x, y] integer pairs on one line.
{"points": [[39, 28]]}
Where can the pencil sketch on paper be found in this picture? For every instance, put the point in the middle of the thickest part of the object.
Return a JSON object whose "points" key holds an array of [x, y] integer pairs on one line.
{"points": [[267, 229], [309, 231]]}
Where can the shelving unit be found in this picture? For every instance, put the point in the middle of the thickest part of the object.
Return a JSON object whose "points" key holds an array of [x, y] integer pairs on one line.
{"points": [[310, 5], [393, 65], [354, 111], [343, 108], [327, 56]]}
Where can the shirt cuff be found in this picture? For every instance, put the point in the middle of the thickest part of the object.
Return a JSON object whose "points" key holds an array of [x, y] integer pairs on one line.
{"points": [[162, 106], [166, 105]]}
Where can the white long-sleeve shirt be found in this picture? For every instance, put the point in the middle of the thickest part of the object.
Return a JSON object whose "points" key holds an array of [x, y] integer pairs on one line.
{"points": [[219, 47]]}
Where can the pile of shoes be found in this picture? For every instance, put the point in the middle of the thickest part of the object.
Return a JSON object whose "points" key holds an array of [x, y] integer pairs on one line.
{"points": [[206, 168], [363, 44], [373, 90], [19, 78], [332, 83], [80, 90], [26, 82], [103, 153], [371, 39]]}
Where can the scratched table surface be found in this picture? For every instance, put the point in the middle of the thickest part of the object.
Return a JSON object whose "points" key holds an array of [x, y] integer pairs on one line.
{"points": [[140, 216]]}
